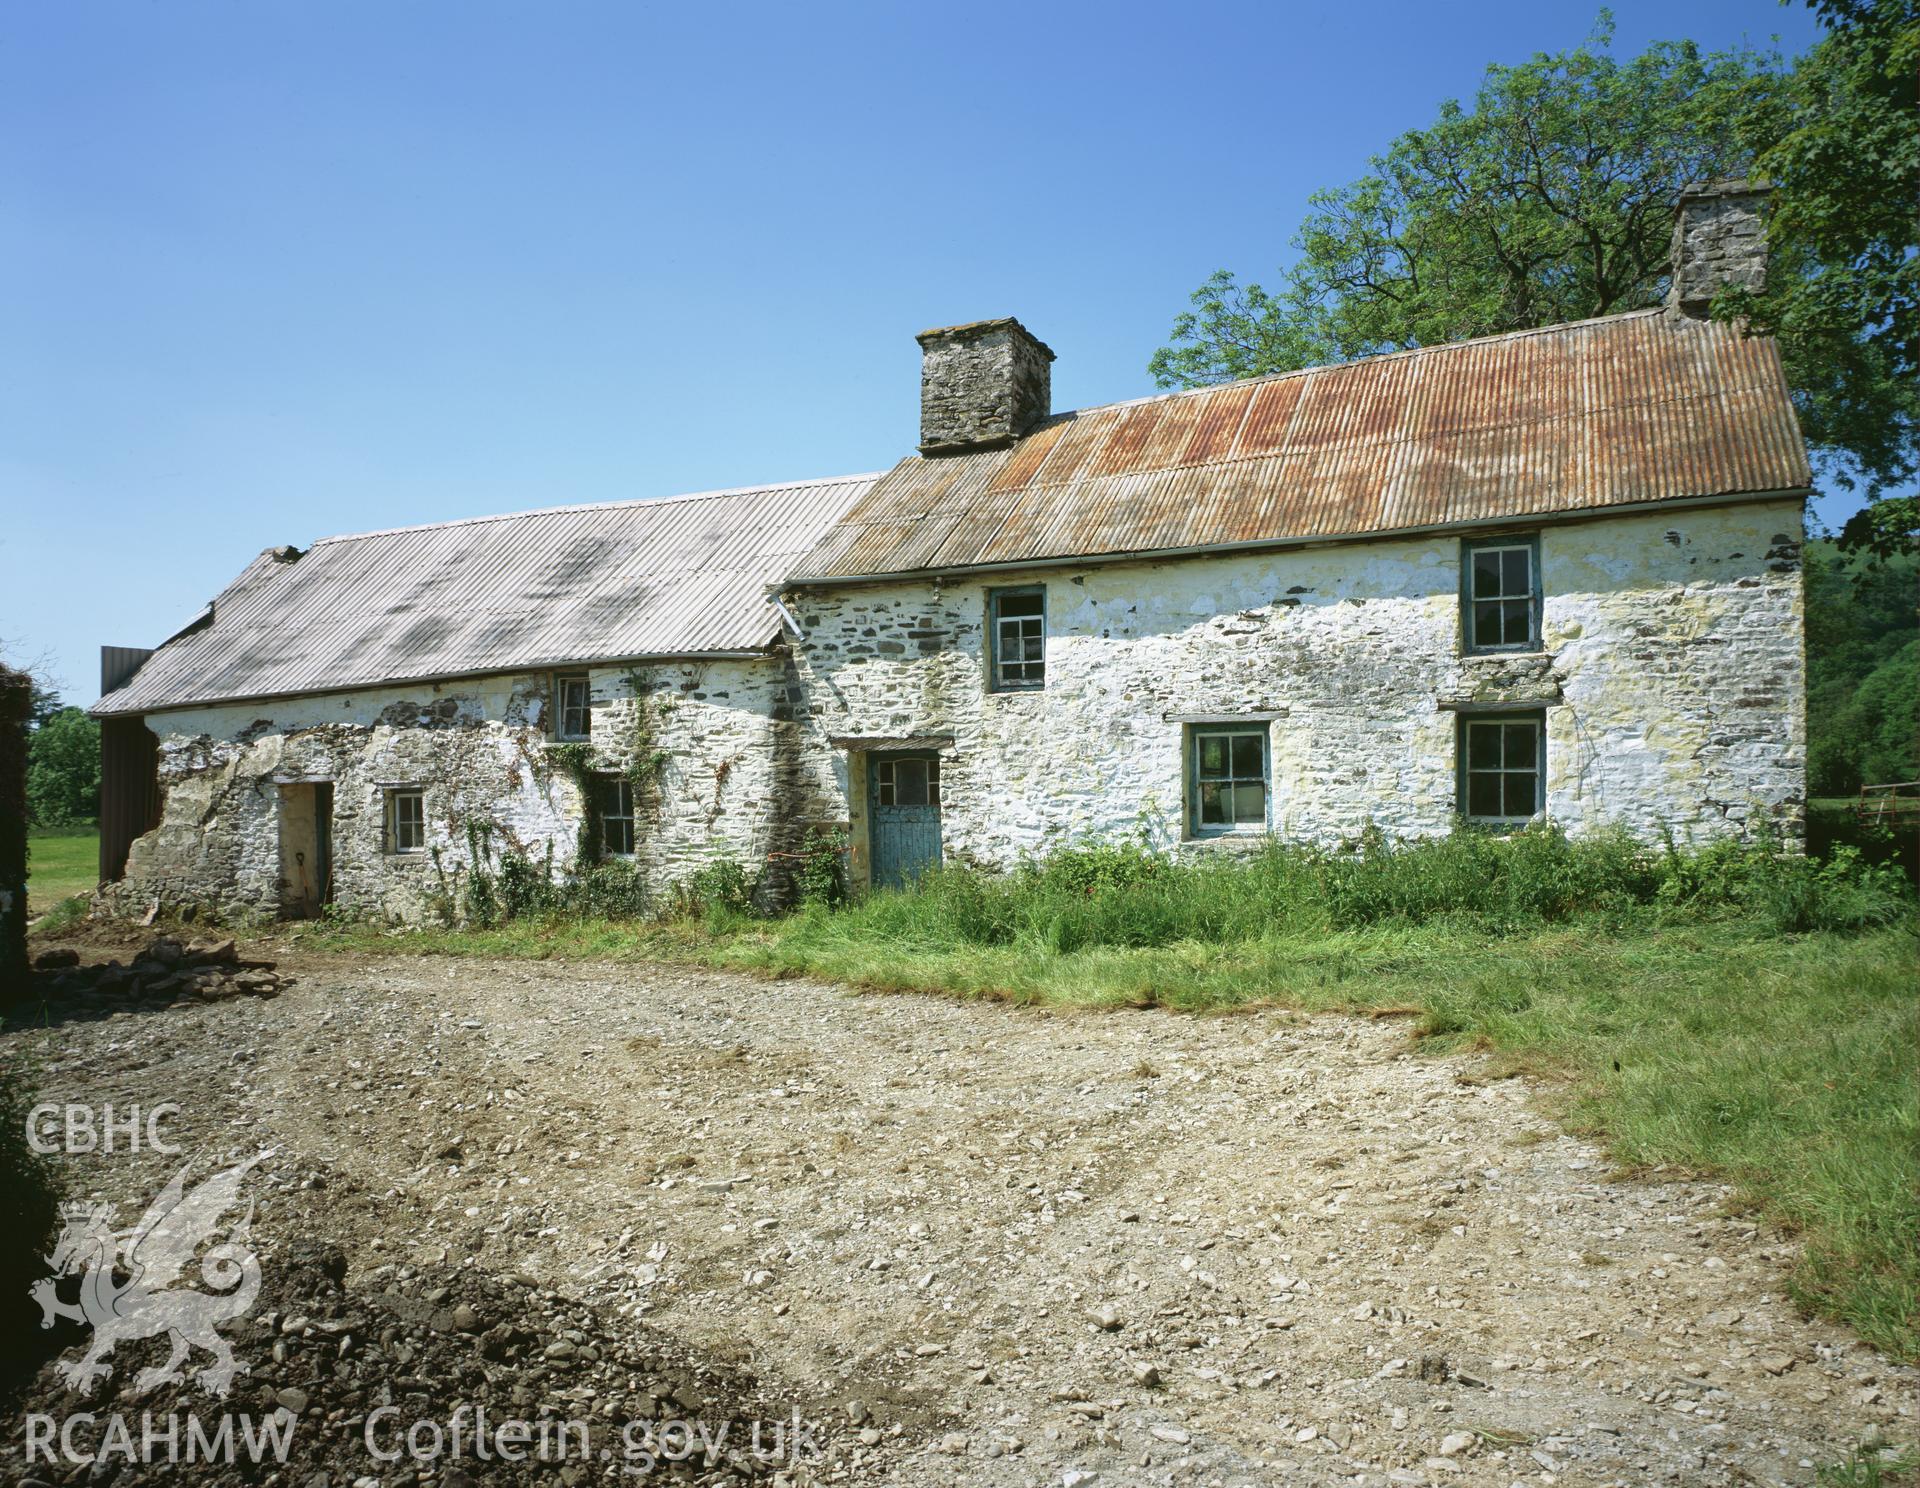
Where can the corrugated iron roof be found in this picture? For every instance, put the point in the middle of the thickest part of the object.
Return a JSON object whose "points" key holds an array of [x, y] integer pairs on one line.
{"points": [[683, 576], [1627, 409]]}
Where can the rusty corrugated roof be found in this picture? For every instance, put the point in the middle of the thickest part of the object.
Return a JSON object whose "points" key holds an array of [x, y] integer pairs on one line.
{"points": [[1628, 409], [684, 576]]}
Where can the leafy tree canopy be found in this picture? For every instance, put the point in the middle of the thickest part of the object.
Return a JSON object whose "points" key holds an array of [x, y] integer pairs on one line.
{"points": [[1863, 646], [1550, 200], [63, 770], [1843, 291]]}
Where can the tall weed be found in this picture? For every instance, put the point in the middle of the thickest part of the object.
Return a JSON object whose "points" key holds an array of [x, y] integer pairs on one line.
{"points": [[1125, 896]]}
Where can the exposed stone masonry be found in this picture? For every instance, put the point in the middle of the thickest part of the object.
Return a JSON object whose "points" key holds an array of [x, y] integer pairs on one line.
{"points": [[479, 750], [1671, 681], [1719, 242], [981, 385]]}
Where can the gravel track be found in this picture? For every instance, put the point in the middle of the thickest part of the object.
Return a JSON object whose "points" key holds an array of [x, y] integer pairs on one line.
{"points": [[1002, 1246]]}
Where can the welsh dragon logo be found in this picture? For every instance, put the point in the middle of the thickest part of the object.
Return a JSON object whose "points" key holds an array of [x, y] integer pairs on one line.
{"points": [[152, 1257]]}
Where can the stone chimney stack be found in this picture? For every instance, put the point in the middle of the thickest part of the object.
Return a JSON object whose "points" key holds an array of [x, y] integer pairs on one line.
{"points": [[1719, 242], [982, 385]]}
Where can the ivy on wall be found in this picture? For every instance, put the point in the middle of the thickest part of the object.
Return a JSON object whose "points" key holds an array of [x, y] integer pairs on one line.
{"points": [[645, 762]]}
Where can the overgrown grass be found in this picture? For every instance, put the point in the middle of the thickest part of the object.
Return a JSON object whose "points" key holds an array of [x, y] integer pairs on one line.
{"points": [[1729, 1011], [60, 865]]}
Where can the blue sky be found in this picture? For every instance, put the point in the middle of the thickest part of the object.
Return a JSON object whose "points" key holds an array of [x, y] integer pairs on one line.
{"points": [[281, 270]]}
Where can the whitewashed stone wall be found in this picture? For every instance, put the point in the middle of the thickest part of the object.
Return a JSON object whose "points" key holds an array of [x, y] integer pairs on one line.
{"points": [[478, 750], [1672, 677]]}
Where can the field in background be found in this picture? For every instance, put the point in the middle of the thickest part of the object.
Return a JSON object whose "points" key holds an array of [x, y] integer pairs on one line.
{"points": [[60, 865]]}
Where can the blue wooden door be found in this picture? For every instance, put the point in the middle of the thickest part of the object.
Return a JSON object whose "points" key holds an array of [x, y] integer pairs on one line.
{"points": [[903, 816]]}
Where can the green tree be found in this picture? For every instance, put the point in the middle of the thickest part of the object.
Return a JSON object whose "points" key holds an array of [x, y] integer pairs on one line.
{"points": [[1884, 713], [1843, 291], [63, 770], [1549, 200], [1863, 638]]}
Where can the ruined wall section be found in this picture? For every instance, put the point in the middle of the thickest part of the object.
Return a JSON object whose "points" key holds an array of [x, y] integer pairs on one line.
{"points": [[716, 788], [479, 751], [1672, 677]]}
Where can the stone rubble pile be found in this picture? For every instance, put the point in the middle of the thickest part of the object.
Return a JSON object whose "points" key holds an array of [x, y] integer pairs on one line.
{"points": [[165, 972]]}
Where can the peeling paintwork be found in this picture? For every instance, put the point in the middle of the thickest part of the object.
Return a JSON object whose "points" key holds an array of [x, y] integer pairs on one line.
{"points": [[1671, 676], [477, 749]]}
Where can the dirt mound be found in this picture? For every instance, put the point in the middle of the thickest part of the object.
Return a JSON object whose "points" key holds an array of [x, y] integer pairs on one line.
{"points": [[400, 1370]]}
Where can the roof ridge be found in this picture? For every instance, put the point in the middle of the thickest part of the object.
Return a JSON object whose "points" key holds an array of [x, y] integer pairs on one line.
{"points": [[649, 501], [1378, 356]]}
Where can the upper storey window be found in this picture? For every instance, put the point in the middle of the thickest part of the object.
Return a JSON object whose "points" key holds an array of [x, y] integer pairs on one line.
{"points": [[1016, 639], [1500, 594], [572, 709]]}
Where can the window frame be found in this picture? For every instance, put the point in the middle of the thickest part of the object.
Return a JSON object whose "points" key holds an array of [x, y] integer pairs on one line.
{"points": [[618, 789], [1537, 718], [1470, 547], [886, 779], [558, 723], [1195, 733], [392, 823], [996, 680]]}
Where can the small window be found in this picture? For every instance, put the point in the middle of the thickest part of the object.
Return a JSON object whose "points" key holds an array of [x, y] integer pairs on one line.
{"points": [[1500, 594], [908, 782], [1228, 784], [406, 821], [1017, 639], [616, 814], [572, 714], [1503, 768]]}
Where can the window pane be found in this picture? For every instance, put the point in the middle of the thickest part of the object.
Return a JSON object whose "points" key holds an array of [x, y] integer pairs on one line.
{"points": [[1486, 574], [1519, 745], [1246, 757], [1519, 794], [910, 783], [1514, 579], [1213, 808], [1486, 623], [1250, 803], [1483, 795], [574, 714], [885, 767], [1035, 647], [1213, 755], [1519, 621], [1021, 604], [1483, 746]]}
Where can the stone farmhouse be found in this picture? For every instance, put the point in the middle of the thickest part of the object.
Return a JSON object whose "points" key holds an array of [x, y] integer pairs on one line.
{"points": [[1556, 572]]}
